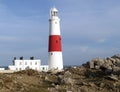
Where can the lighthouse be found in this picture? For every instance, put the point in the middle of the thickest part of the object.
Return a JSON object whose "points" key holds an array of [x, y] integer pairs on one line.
{"points": [[55, 60]]}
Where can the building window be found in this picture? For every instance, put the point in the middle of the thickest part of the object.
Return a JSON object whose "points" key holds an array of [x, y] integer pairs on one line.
{"points": [[35, 63], [43, 68], [30, 63], [25, 63], [20, 63], [20, 69]]}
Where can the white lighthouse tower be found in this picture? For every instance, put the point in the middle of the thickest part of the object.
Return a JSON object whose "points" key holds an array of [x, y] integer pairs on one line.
{"points": [[55, 47]]}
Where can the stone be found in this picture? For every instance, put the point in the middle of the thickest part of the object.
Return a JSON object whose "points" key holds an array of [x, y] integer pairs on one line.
{"points": [[102, 85], [101, 62], [91, 64], [84, 89], [1, 83], [112, 77], [117, 60], [112, 59], [98, 61], [116, 56], [118, 63], [68, 81], [53, 71], [67, 74], [97, 67], [85, 84], [51, 78], [115, 68], [109, 62]]}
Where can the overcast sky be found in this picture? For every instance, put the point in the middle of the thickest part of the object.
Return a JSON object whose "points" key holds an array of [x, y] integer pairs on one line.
{"points": [[89, 28]]}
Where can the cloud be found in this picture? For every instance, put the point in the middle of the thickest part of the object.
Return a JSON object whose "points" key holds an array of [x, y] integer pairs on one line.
{"points": [[7, 38], [84, 48], [102, 40]]}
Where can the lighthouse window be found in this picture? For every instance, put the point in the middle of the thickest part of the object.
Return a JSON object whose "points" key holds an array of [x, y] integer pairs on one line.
{"points": [[56, 41], [55, 22], [51, 53], [55, 13]]}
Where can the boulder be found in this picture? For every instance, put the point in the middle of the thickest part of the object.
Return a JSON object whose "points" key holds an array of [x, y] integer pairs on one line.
{"points": [[68, 81], [91, 64], [66, 78], [101, 85], [51, 78], [98, 61], [97, 67], [111, 59], [112, 77], [118, 63], [116, 68], [1, 83], [67, 74], [116, 56]]}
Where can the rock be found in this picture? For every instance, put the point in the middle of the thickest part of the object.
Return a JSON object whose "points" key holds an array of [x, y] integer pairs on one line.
{"points": [[85, 84], [108, 69], [101, 62], [116, 56], [68, 81], [109, 62], [98, 61], [51, 78], [117, 60], [67, 74], [53, 71], [1, 83], [115, 68], [66, 78], [102, 85], [91, 64], [112, 77], [69, 91], [97, 67], [84, 89], [112, 60], [104, 66], [118, 63]]}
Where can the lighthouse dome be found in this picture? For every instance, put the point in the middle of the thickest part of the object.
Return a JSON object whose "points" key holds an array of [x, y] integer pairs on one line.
{"points": [[53, 12], [54, 9]]}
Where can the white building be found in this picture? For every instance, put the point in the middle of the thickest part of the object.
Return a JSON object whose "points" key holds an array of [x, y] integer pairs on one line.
{"points": [[22, 64], [44, 68]]}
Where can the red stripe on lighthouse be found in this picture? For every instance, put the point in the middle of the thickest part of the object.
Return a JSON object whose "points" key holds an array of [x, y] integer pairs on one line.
{"points": [[54, 43]]}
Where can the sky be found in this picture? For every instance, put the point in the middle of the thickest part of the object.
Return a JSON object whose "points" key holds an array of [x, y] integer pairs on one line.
{"points": [[89, 29]]}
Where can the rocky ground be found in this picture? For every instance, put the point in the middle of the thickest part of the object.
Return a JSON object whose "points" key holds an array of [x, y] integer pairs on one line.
{"points": [[97, 75]]}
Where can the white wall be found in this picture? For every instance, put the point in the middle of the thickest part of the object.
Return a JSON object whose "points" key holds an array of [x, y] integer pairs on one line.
{"points": [[44, 68], [11, 67], [26, 64], [2, 69]]}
